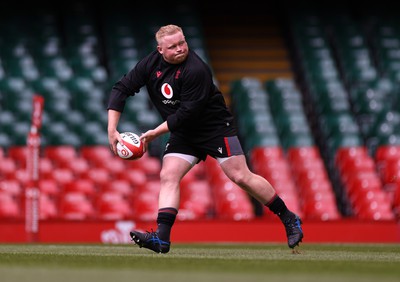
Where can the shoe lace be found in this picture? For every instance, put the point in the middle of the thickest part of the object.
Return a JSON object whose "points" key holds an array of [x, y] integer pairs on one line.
{"points": [[154, 237]]}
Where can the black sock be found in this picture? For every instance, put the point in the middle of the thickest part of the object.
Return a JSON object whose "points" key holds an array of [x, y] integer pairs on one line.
{"points": [[278, 206], [165, 219]]}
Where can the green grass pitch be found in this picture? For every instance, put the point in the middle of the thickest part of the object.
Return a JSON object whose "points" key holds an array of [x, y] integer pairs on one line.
{"points": [[200, 262]]}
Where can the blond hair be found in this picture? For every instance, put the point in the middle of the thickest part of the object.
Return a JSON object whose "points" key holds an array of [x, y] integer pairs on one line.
{"points": [[167, 30]]}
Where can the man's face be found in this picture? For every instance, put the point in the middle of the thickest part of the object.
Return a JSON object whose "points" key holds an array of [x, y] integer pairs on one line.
{"points": [[173, 48]]}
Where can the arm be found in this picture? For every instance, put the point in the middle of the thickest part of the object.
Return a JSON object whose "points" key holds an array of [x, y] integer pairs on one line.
{"points": [[113, 134], [151, 134]]}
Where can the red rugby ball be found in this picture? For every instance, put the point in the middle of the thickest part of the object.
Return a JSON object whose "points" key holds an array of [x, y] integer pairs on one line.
{"points": [[131, 147]]}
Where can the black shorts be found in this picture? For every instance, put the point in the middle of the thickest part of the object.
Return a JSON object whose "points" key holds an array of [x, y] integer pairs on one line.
{"points": [[219, 147]]}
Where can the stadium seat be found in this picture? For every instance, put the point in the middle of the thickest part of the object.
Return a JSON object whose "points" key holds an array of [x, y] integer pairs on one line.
{"points": [[321, 207], [150, 165], [12, 187], [145, 206], [8, 167], [114, 165], [374, 209], [390, 171], [46, 167], [196, 200], [230, 201], [62, 156], [299, 154], [48, 207], [49, 187], [81, 185], [79, 166], [362, 183], [9, 206], [345, 153], [19, 154], [21, 174], [136, 177], [265, 153], [113, 205], [385, 152], [76, 206], [119, 186], [96, 155], [100, 176], [63, 176], [396, 200]]}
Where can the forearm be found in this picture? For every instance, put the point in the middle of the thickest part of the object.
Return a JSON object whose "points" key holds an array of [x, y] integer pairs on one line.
{"points": [[150, 135], [113, 119], [113, 134]]}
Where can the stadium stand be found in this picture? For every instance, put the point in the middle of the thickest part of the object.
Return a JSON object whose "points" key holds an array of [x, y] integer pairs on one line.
{"points": [[315, 94]]}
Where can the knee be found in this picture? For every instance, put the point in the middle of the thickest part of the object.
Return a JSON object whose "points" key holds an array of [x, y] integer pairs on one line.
{"points": [[239, 178], [168, 176]]}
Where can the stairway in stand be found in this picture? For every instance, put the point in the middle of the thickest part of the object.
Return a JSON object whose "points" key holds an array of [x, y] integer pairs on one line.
{"points": [[243, 43]]}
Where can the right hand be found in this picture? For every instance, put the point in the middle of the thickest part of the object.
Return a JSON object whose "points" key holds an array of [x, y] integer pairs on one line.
{"points": [[113, 138]]}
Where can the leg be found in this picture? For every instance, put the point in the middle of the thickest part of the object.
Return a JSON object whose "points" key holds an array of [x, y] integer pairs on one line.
{"points": [[237, 170], [172, 171]]}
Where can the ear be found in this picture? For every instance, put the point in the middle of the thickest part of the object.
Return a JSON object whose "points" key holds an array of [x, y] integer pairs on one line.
{"points": [[159, 49]]}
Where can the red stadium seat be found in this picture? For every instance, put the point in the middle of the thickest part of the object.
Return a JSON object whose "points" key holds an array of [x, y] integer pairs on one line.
{"points": [[19, 154], [324, 209], [300, 154], [231, 202], [114, 165], [196, 200], [62, 156], [150, 165], [316, 164], [85, 186], [76, 206], [385, 152], [374, 210], [2, 153], [46, 167], [48, 207], [8, 167], [21, 174], [137, 178], [260, 155], [316, 186], [119, 186], [306, 177], [100, 176], [97, 155], [9, 206], [275, 170], [79, 166], [12, 187], [49, 187], [396, 200], [390, 171], [354, 164], [63, 176], [113, 206], [145, 206], [345, 153]]}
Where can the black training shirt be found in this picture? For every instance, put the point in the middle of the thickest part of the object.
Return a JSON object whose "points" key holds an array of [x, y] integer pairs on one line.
{"points": [[184, 95]]}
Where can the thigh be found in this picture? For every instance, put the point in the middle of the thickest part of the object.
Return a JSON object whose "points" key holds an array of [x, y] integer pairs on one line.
{"points": [[234, 166], [174, 167]]}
